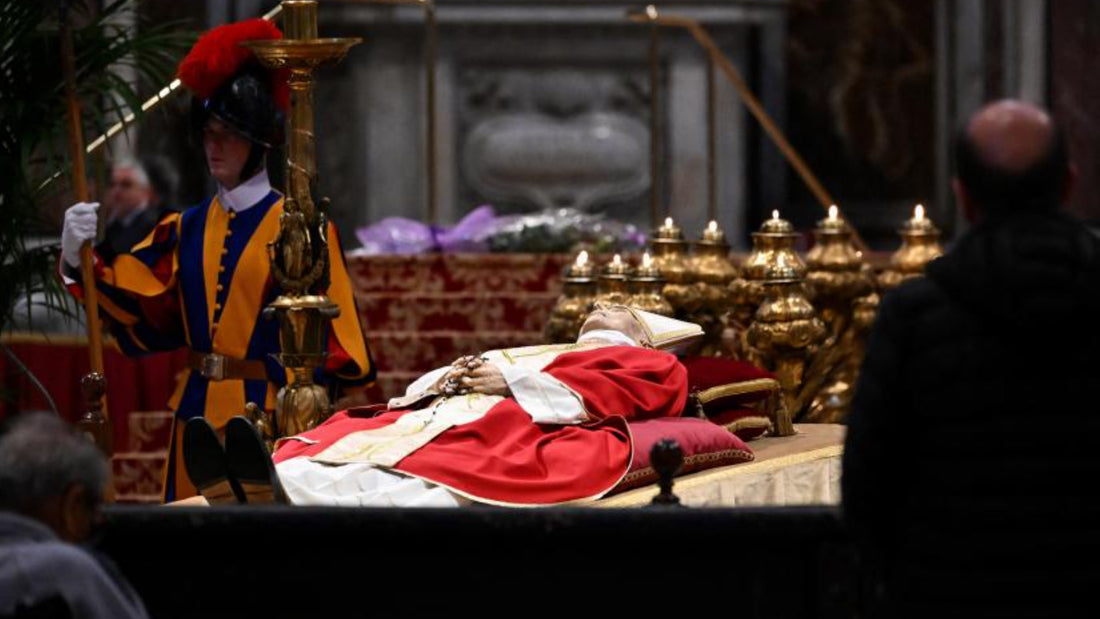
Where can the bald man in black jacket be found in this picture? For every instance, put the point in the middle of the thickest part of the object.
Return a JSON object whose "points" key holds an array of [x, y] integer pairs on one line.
{"points": [[972, 464]]}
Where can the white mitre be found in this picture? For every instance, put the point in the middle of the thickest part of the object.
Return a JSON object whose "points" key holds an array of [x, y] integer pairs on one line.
{"points": [[667, 334]]}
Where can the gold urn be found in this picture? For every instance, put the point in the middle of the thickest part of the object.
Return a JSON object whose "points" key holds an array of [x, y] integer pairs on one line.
{"points": [[648, 289], [613, 287], [837, 273], [772, 250], [578, 293], [670, 256], [711, 272], [919, 246], [784, 333]]}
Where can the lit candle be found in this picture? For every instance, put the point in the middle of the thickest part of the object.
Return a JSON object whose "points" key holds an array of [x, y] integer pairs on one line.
{"points": [[775, 215], [668, 222], [617, 261], [582, 259], [833, 212], [713, 226], [918, 212], [647, 261]]}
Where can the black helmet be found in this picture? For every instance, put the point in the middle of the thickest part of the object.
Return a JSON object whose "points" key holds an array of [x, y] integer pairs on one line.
{"points": [[245, 103]]}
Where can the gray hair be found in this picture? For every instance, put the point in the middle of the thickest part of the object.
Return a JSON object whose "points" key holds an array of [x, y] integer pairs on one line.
{"points": [[42, 457], [140, 173]]}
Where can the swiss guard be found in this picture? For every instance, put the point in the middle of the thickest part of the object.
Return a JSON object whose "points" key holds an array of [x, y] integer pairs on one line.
{"points": [[202, 278]]}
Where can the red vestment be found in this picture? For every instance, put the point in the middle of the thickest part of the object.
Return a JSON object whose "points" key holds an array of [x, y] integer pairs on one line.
{"points": [[506, 458]]}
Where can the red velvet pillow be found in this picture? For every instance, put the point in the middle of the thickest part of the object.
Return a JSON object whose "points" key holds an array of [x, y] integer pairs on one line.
{"points": [[705, 446], [734, 394]]}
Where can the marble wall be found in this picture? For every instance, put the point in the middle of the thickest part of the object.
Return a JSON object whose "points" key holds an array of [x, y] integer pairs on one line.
{"points": [[1075, 94], [542, 104]]}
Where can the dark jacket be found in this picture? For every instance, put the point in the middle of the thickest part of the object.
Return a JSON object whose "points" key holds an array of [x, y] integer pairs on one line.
{"points": [[120, 236], [41, 576], [972, 464]]}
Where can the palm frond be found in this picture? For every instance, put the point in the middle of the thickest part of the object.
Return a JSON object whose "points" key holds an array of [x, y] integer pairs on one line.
{"points": [[32, 114]]}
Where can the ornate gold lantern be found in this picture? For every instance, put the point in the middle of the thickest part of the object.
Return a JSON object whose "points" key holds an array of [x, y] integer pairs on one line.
{"points": [[837, 274], [299, 253], [614, 287], [919, 246], [772, 249], [670, 256], [785, 332], [711, 272], [578, 292], [648, 288]]}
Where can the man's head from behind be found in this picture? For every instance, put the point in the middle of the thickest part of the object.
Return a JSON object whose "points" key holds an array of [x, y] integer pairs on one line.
{"points": [[1011, 157], [51, 472]]}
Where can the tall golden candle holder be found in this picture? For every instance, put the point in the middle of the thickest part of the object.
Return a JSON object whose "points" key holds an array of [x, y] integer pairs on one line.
{"points": [[837, 273], [299, 253], [648, 287], [578, 293], [785, 333], [919, 246], [670, 256], [772, 248], [838, 278], [711, 272], [613, 287]]}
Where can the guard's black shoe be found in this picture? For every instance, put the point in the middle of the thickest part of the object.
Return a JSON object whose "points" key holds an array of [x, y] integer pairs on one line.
{"points": [[204, 459], [250, 463]]}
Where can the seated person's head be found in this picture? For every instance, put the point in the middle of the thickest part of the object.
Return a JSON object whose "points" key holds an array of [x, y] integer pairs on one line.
{"points": [[616, 318], [52, 473], [1011, 157]]}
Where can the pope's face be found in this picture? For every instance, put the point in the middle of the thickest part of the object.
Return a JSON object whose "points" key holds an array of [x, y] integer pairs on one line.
{"points": [[226, 152], [615, 318]]}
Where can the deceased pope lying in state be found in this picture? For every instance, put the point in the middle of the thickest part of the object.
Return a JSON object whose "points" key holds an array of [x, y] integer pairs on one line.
{"points": [[541, 425]]}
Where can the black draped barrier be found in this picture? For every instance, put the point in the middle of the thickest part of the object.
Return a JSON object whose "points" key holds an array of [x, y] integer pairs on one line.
{"points": [[746, 562]]}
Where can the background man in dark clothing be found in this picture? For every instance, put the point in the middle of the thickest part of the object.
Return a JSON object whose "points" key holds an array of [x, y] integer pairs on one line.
{"points": [[51, 484], [972, 463], [131, 207]]}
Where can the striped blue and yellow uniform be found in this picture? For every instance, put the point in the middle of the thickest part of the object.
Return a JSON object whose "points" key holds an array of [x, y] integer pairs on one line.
{"points": [[201, 279]]}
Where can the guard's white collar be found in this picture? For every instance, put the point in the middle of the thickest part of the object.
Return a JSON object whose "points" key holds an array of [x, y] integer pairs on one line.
{"points": [[246, 195], [607, 335]]}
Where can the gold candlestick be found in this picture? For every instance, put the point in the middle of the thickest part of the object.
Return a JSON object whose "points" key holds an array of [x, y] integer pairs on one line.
{"points": [[837, 273], [784, 333], [711, 272], [919, 246], [670, 256], [839, 278], [299, 253], [613, 287], [648, 286], [578, 292], [772, 248]]}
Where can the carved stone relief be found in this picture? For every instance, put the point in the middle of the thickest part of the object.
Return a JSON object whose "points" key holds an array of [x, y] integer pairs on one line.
{"points": [[553, 137]]}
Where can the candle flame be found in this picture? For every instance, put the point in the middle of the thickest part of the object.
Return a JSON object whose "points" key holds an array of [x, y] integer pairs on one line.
{"points": [[833, 212], [582, 258], [647, 260], [713, 226], [918, 212], [775, 215], [617, 260], [651, 11], [668, 222]]}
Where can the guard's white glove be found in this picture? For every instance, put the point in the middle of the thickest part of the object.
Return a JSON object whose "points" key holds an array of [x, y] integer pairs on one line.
{"points": [[80, 226]]}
